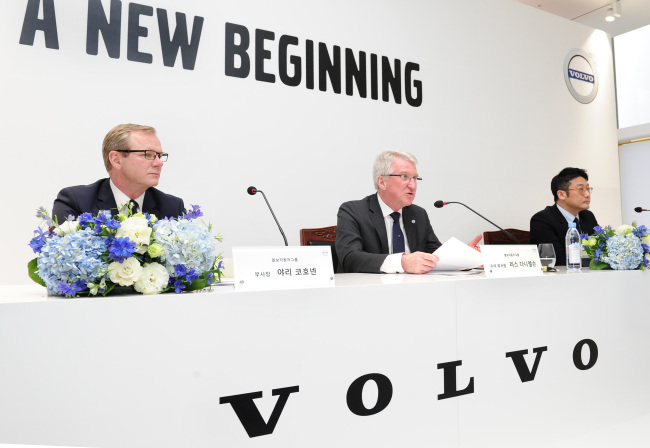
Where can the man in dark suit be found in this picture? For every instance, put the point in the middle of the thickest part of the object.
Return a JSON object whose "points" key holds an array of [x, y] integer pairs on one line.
{"points": [[133, 158], [572, 195], [370, 232]]}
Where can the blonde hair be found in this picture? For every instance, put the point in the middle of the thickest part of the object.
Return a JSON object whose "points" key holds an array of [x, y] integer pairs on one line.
{"points": [[120, 138]]}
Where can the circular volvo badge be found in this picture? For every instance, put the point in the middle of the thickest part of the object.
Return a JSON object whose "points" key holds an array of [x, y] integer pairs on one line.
{"points": [[580, 76]]}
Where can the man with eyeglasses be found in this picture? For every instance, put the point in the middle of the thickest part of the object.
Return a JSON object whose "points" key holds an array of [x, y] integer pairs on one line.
{"points": [[134, 159], [385, 232], [572, 195]]}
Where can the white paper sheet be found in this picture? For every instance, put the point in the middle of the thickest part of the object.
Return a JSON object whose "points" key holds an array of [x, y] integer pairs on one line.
{"points": [[455, 256]]}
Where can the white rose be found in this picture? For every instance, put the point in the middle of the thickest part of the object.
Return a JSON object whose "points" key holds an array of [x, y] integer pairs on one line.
{"points": [[67, 227], [136, 228], [125, 274], [154, 278], [623, 230]]}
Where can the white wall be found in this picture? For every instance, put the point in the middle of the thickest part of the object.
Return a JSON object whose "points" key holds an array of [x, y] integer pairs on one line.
{"points": [[497, 121], [635, 159], [632, 74]]}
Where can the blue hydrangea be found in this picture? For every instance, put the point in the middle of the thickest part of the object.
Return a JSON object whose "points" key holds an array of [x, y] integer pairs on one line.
{"points": [[624, 252], [185, 242], [74, 257]]}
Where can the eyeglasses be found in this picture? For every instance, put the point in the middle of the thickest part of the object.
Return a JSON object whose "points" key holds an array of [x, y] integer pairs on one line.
{"points": [[405, 177], [148, 153], [582, 190]]}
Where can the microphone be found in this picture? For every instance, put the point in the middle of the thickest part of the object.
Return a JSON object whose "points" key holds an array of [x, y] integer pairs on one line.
{"points": [[252, 191], [639, 209], [440, 204]]}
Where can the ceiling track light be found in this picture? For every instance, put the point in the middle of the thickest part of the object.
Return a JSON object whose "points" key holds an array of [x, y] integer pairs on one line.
{"points": [[613, 11]]}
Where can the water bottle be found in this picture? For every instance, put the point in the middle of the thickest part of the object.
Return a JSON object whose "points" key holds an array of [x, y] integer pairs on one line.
{"points": [[573, 260]]}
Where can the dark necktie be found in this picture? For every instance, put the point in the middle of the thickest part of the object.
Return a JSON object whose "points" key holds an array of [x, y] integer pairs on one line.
{"points": [[398, 236], [577, 221], [135, 208]]}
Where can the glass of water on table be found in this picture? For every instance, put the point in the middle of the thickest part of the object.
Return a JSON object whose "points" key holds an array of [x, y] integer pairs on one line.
{"points": [[547, 256]]}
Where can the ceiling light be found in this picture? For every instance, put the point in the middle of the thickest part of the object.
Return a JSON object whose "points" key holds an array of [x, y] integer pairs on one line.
{"points": [[613, 11]]}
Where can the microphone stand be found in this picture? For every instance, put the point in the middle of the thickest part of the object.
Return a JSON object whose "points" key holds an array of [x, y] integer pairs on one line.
{"points": [[251, 191], [503, 230]]}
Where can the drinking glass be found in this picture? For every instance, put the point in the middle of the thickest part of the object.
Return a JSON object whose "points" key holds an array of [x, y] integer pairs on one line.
{"points": [[546, 256]]}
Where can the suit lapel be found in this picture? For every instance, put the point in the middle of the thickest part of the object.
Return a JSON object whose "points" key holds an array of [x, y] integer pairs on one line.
{"points": [[105, 198], [560, 220], [410, 227], [149, 205], [379, 223]]}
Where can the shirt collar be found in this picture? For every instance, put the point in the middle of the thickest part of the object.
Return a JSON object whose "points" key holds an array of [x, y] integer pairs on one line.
{"points": [[385, 210], [568, 216], [122, 200]]}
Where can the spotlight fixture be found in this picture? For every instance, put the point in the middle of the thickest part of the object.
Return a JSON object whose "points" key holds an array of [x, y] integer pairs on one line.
{"points": [[613, 11]]}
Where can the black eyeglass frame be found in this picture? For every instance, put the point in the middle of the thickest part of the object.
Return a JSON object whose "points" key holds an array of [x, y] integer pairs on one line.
{"points": [[160, 155]]}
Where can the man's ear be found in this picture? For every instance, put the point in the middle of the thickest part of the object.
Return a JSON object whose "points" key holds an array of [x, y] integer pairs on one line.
{"points": [[381, 182], [561, 195], [116, 160]]}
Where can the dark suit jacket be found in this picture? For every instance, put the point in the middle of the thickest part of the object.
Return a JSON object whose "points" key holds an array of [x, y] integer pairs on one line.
{"points": [[550, 226], [99, 196], [361, 239]]}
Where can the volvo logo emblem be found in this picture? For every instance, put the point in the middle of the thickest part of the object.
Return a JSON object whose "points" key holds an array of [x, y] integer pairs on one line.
{"points": [[580, 76]]}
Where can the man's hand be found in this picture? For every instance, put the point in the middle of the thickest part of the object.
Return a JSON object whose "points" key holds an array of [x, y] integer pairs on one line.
{"points": [[418, 262], [475, 241]]}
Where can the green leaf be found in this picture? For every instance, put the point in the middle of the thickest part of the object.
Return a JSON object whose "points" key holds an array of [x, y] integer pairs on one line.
{"points": [[199, 283], [32, 268], [597, 266]]}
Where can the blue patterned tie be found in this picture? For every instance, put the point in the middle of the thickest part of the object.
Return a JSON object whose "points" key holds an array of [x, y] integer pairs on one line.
{"points": [[398, 237], [135, 208]]}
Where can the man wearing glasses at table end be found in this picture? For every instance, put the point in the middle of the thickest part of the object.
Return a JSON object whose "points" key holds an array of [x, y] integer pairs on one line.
{"points": [[385, 232], [134, 159], [572, 195]]}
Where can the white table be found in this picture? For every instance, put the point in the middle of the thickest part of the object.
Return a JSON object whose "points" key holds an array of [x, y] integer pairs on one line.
{"points": [[136, 371]]}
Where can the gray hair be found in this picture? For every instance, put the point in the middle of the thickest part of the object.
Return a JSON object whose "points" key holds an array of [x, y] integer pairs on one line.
{"points": [[384, 163]]}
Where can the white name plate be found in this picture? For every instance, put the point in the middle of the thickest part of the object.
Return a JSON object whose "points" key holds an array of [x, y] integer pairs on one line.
{"points": [[282, 267], [511, 260]]}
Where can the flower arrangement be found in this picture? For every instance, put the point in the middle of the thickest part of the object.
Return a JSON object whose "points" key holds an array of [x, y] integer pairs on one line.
{"points": [[94, 255], [627, 247]]}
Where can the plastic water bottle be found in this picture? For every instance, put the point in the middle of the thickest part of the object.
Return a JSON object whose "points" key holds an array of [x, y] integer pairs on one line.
{"points": [[573, 260]]}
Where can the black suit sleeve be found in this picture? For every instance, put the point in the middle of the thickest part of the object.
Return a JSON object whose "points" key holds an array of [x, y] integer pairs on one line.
{"points": [[351, 249], [542, 230], [432, 242], [65, 205]]}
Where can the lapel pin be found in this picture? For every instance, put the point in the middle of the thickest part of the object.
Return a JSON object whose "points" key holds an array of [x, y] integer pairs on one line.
{"points": [[413, 221]]}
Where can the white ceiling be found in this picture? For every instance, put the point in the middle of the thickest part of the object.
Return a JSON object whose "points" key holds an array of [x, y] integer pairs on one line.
{"points": [[634, 13]]}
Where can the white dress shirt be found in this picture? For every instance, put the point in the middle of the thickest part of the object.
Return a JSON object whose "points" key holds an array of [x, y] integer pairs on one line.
{"points": [[393, 262], [568, 216], [123, 200]]}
